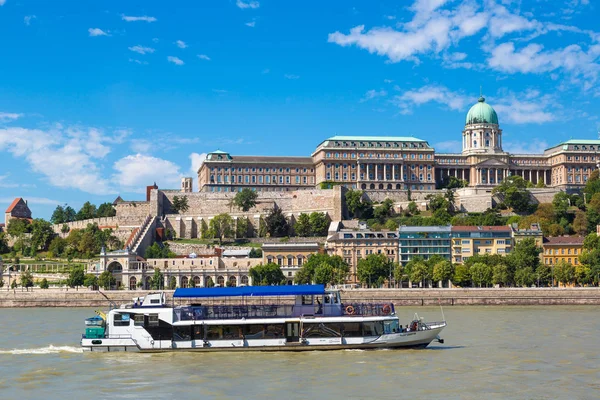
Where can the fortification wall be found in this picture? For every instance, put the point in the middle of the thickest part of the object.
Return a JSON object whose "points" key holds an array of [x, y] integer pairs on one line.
{"points": [[543, 195], [134, 210]]}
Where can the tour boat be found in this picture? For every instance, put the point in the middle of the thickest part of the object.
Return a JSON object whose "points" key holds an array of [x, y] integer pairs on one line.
{"points": [[264, 318]]}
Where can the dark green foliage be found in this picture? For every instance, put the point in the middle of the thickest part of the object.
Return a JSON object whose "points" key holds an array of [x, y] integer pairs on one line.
{"points": [[451, 182], [106, 210], [384, 210], [180, 204], [4, 248], [514, 194], [357, 205], [18, 227], [276, 223], [375, 269], [64, 214], [84, 243], [221, 227], [41, 234], [90, 281], [106, 280], [87, 211], [242, 227], [76, 277], [324, 269], [158, 250], [319, 224], [266, 275], [413, 209], [302, 226], [592, 186], [246, 199], [256, 253], [172, 283], [157, 281], [26, 279], [44, 284]]}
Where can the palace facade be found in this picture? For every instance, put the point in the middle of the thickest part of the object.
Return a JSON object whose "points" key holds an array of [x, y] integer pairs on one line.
{"points": [[401, 163]]}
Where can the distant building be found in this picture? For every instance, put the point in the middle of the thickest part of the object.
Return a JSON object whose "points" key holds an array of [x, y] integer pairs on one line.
{"points": [[18, 209], [424, 241], [352, 244], [562, 248], [468, 241], [289, 256], [533, 232]]}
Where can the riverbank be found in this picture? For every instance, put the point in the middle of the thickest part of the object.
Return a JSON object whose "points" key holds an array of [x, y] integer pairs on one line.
{"points": [[400, 297]]}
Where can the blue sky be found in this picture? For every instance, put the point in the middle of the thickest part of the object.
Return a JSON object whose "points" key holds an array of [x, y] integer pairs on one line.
{"points": [[99, 99]]}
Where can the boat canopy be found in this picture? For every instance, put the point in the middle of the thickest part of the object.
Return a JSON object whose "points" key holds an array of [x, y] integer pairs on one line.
{"points": [[287, 290]]}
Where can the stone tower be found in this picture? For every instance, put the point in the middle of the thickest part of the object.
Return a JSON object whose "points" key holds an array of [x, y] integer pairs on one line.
{"points": [[186, 185]]}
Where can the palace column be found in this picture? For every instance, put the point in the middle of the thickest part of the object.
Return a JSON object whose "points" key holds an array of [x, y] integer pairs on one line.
{"points": [[368, 173], [376, 171], [488, 176], [385, 172]]}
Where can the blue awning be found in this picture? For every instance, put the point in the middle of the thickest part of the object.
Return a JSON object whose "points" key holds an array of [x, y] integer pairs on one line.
{"points": [[287, 290]]}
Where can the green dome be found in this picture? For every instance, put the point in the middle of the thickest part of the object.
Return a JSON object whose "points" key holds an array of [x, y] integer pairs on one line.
{"points": [[482, 113]]}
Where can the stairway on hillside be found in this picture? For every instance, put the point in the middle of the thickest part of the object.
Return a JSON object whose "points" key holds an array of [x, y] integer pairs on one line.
{"points": [[141, 242]]}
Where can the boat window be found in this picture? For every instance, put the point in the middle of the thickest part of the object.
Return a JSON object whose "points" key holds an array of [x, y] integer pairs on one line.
{"points": [[153, 320], [121, 320], [182, 332], [232, 332], [255, 331], [351, 329], [374, 328], [138, 320], [321, 330], [197, 332], [390, 326], [213, 332], [307, 300], [327, 299], [273, 331]]}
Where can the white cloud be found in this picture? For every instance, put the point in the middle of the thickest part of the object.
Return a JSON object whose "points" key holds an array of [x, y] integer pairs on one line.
{"points": [[181, 44], [141, 49], [8, 117], [528, 107], [97, 32], [141, 145], [140, 62], [291, 76], [251, 24], [27, 19], [134, 172], [371, 94], [203, 57], [532, 58], [388, 81], [529, 146], [448, 146], [134, 19], [431, 93], [67, 157], [2, 2], [175, 60], [197, 161], [247, 4], [504, 22]]}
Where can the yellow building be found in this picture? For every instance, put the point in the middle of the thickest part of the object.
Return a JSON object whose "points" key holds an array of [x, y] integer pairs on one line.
{"points": [[468, 241], [289, 256], [533, 232], [353, 242], [562, 248]]}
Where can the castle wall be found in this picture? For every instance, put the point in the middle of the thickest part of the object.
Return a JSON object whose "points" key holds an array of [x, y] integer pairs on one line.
{"points": [[135, 210]]}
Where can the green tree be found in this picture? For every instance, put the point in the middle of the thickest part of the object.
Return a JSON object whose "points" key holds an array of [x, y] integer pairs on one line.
{"points": [[561, 203], [266, 275], [44, 284], [180, 204], [443, 271], [590, 256], [13, 285], [26, 280], [204, 231], [172, 283], [302, 226], [524, 277], [70, 214], [513, 191], [17, 227], [255, 253], [41, 234], [91, 281], [106, 210], [87, 211], [241, 227], [76, 277], [374, 269], [462, 276], [583, 274], [324, 269], [221, 227], [157, 250], [413, 209], [564, 273], [501, 275], [245, 199], [157, 280], [1, 283], [357, 205], [384, 211], [106, 280], [319, 224], [58, 215], [481, 274], [420, 273], [580, 223], [4, 248], [592, 186], [525, 255], [276, 223]]}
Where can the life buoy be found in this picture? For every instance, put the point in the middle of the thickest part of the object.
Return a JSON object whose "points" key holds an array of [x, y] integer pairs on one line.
{"points": [[350, 310], [152, 342], [387, 309]]}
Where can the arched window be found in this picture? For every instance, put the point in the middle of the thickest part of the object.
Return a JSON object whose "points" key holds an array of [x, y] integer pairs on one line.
{"points": [[244, 280], [487, 143], [221, 281], [197, 281], [184, 281], [132, 283], [232, 281], [474, 143]]}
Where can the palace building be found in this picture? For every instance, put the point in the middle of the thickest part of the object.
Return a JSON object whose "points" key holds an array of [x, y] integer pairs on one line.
{"points": [[401, 163]]}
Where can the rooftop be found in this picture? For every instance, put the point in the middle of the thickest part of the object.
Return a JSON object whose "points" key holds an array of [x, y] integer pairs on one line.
{"points": [[417, 229], [13, 204], [481, 229], [595, 142], [378, 138], [236, 253], [268, 246], [564, 240], [270, 159]]}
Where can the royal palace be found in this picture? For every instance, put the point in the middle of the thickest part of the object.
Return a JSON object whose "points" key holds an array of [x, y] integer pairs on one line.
{"points": [[401, 163]]}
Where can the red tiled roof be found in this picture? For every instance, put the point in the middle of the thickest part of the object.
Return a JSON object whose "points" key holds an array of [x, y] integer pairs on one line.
{"points": [[13, 204], [481, 229], [564, 240]]}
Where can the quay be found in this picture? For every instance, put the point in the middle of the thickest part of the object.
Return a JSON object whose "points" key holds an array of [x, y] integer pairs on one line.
{"points": [[16, 298]]}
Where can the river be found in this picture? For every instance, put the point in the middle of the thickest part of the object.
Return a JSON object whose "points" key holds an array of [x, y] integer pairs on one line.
{"points": [[489, 353]]}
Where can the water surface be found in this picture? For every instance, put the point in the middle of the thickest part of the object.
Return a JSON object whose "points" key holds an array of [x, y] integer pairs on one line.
{"points": [[489, 353]]}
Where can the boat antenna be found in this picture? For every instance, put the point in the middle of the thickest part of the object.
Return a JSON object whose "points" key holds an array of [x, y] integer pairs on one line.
{"points": [[442, 310]]}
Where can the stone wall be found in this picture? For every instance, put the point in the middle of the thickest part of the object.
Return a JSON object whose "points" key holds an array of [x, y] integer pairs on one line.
{"points": [[133, 210], [543, 195], [122, 225]]}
